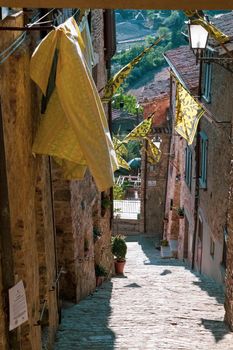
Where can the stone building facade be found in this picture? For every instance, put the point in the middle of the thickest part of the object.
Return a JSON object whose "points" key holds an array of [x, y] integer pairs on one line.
{"points": [[46, 222], [199, 179], [153, 185]]}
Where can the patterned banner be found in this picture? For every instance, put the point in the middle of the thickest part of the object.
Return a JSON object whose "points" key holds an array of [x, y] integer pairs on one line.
{"points": [[114, 83], [188, 114], [153, 152], [197, 17], [141, 130], [121, 150]]}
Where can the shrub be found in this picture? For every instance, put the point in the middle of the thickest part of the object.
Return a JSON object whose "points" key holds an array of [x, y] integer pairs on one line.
{"points": [[100, 271], [119, 247]]}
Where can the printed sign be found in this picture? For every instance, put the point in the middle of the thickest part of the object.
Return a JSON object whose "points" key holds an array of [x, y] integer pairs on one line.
{"points": [[151, 183], [18, 305]]}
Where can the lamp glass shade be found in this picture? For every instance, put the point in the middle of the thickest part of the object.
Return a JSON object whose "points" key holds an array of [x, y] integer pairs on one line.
{"points": [[198, 36]]}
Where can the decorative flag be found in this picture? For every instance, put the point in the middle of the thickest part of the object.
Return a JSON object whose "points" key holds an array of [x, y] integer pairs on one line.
{"points": [[120, 150], [141, 130], [197, 17], [188, 114], [153, 152], [114, 83]]}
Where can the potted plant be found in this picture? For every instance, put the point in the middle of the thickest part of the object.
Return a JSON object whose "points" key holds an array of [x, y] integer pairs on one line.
{"points": [[180, 212], [165, 249], [100, 273], [105, 204], [96, 233], [119, 250]]}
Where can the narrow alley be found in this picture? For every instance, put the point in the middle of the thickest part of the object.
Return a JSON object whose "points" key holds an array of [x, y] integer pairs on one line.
{"points": [[158, 304]]}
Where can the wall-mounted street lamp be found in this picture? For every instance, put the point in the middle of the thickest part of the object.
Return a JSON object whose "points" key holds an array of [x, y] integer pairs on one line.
{"points": [[198, 39]]}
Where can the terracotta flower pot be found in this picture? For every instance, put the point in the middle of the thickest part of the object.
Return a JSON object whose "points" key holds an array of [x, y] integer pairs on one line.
{"points": [[119, 267], [99, 281]]}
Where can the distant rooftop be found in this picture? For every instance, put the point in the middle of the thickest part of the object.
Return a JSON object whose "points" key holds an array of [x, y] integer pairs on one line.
{"points": [[183, 62], [158, 88], [223, 22]]}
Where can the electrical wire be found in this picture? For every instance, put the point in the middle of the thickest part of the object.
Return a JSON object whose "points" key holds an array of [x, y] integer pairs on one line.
{"points": [[15, 45], [5, 54]]}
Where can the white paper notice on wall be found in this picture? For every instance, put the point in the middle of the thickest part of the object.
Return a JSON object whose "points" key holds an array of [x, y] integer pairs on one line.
{"points": [[18, 305], [151, 183]]}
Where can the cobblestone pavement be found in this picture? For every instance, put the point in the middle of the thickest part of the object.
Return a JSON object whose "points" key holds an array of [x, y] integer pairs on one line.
{"points": [[159, 305]]}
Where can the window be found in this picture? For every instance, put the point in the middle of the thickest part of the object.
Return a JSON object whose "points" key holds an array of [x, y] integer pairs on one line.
{"points": [[203, 160], [212, 247], [4, 11], [188, 167], [207, 78]]}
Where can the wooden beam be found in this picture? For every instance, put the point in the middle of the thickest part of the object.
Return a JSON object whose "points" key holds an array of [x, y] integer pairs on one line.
{"points": [[123, 4]]}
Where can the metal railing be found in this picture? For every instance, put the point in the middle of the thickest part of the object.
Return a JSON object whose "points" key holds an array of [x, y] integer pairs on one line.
{"points": [[127, 209]]}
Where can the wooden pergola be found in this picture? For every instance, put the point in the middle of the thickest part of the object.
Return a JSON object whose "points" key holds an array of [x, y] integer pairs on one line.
{"points": [[123, 4]]}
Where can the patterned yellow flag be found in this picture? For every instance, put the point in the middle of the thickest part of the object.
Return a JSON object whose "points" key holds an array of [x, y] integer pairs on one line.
{"points": [[115, 82], [197, 17], [153, 152], [120, 150], [188, 114], [141, 130]]}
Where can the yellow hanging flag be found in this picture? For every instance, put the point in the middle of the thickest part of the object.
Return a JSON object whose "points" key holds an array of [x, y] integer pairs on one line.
{"points": [[197, 17], [115, 82], [120, 150], [153, 152], [188, 114], [141, 130]]}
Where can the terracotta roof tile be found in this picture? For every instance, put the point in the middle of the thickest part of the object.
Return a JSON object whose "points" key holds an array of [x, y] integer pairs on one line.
{"points": [[183, 61], [223, 22]]}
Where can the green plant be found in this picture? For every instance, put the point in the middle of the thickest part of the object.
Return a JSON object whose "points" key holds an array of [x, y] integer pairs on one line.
{"points": [[118, 192], [180, 211], [106, 203], [119, 247], [96, 233], [100, 271], [164, 243]]}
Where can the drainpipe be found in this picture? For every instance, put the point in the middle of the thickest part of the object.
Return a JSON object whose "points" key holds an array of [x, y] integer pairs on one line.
{"points": [[7, 262], [54, 238], [197, 188]]}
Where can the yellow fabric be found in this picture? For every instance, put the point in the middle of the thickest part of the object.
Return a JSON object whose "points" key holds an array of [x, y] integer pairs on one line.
{"points": [[115, 82], [86, 36], [153, 152], [121, 151], [74, 127], [197, 18], [141, 130], [188, 114]]}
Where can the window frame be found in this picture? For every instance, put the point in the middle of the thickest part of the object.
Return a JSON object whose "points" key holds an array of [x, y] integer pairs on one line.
{"points": [[203, 160], [188, 167], [212, 247], [207, 81], [224, 249], [4, 12]]}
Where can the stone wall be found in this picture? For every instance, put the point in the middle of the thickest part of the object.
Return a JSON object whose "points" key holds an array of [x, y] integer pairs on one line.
{"points": [[154, 177], [31, 228], [78, 210]]}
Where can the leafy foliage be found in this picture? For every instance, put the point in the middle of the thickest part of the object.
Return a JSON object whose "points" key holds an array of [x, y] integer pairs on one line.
{"points": [[118, 192], [128, 101], [168, 22], [100, 271], [119, 247]]}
